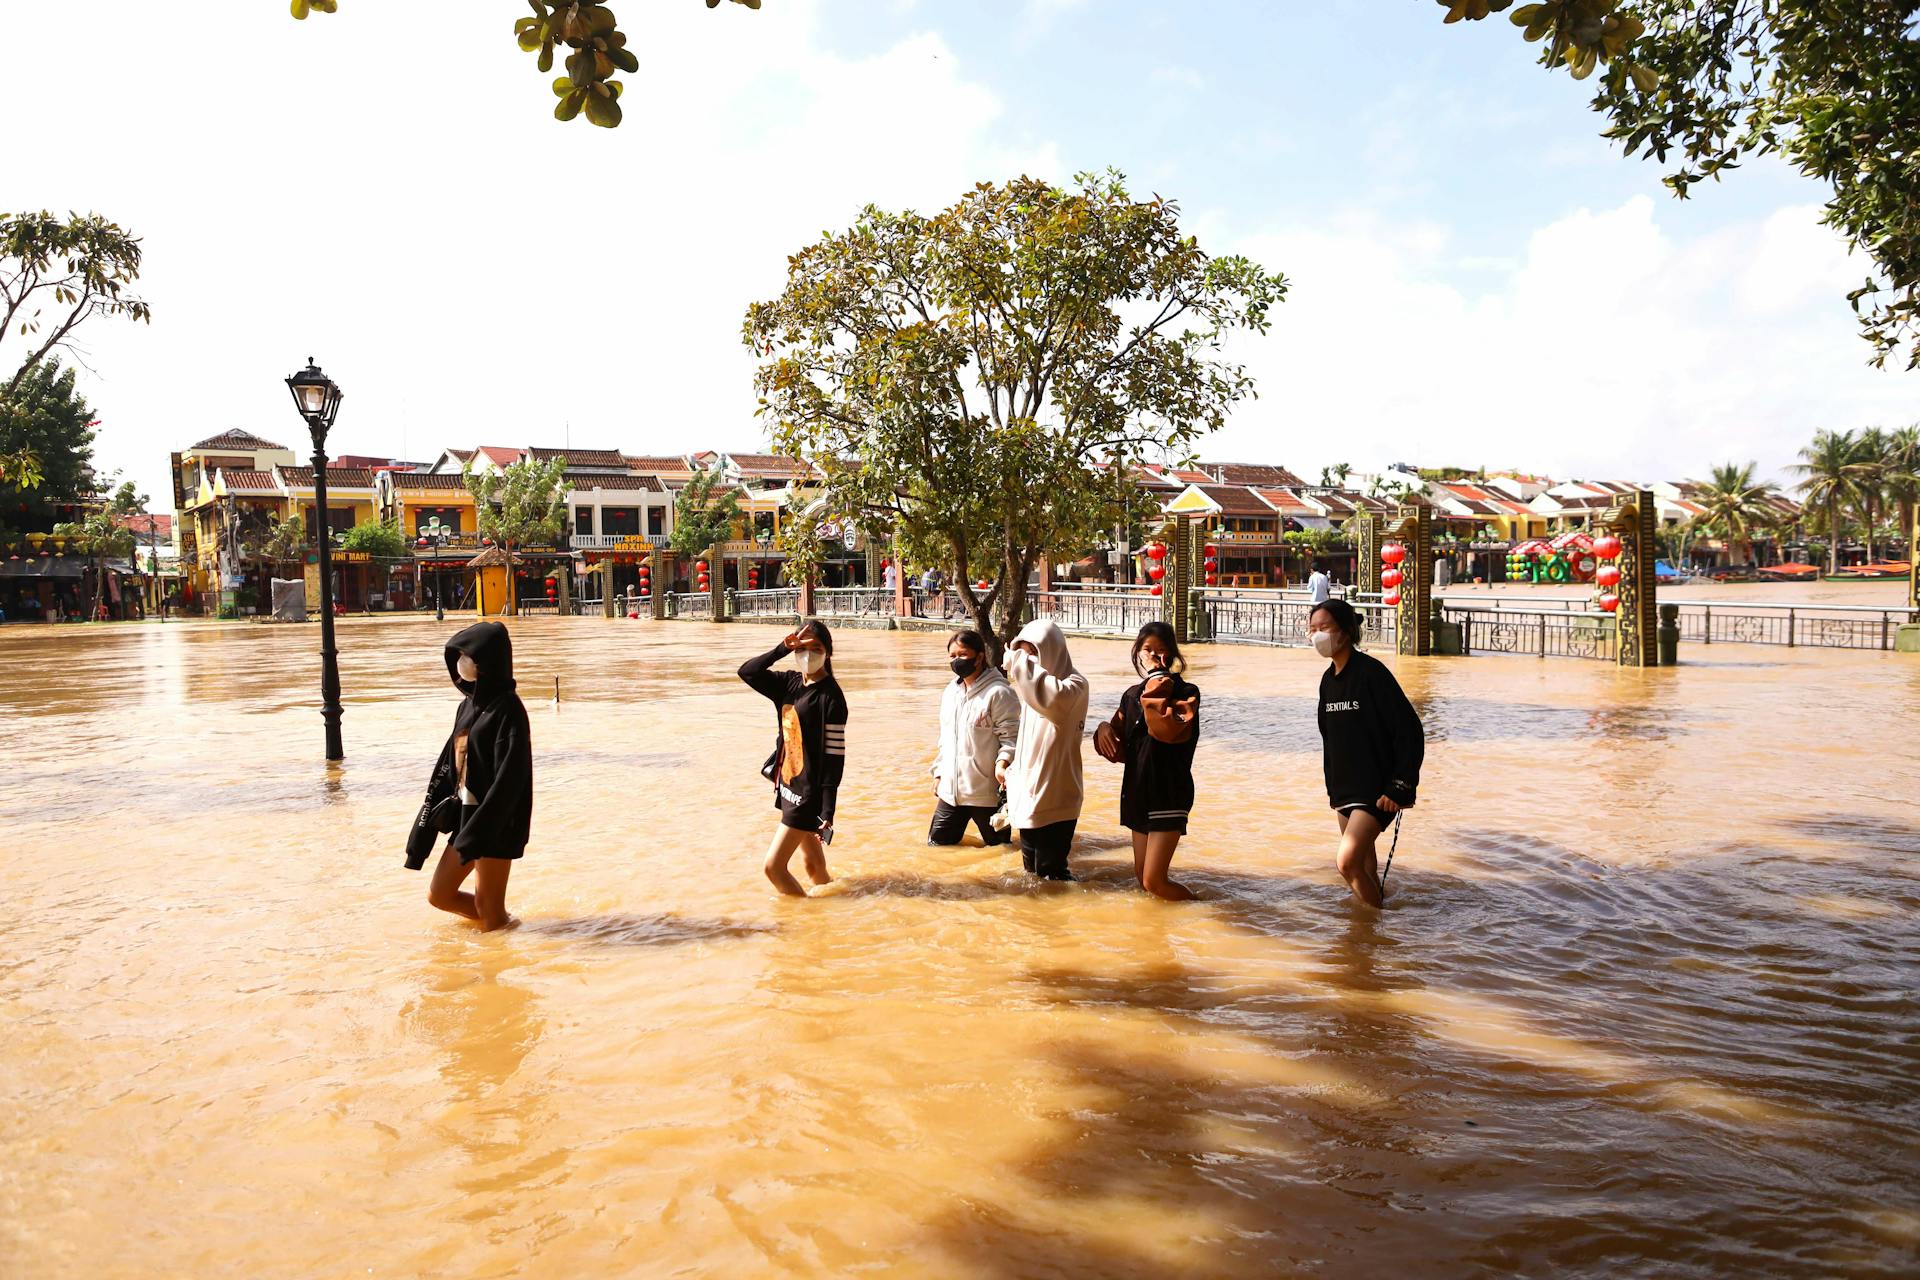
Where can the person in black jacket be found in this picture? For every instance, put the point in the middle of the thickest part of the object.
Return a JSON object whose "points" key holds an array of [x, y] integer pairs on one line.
{"points": [[809, 750], [1372, 744], [481, 790], [1154, 734]]}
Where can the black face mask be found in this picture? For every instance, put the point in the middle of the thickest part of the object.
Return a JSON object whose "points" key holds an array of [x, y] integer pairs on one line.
{"points": [[964, 667]]}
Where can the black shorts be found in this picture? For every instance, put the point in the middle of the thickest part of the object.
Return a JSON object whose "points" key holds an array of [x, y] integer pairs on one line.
{"points": [[1137, 815], [1369, 808]]}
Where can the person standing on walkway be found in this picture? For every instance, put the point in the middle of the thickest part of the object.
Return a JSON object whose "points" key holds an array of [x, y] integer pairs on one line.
{"points": [[1319, 585], [481, 791], [1154, 733], [1044, 786], [809, 750], [979, 723], [1372, 744]]}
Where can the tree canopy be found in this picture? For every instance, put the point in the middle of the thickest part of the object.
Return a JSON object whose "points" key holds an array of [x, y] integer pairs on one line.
{"points": [[380, 539], [57, 274], [524, 505], [46, 419], [1831, 86], [598, 50], [983, 381], [700, 518]]}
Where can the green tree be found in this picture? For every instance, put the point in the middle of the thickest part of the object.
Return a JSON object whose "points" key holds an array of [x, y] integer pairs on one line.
{"points": [[1831, 86], [55, 276], [524, 505], [1870, 473], [598, 49], [703, 514], [985, 380], [1734, 506], [1903, 479], [1829, 482], [380, 539], [100, 538], [288, 541], [46, 420]]}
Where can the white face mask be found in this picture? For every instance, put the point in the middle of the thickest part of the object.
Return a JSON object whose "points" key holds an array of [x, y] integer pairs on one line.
{"points": [[809, 661], [1324, 643], [464, 665]]}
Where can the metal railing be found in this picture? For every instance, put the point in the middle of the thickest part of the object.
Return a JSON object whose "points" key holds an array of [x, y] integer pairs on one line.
{"points": [[853, 602], [773, 601], [1824, 626], [1278, 616], [614, 541], [1545, 633], [1109, 611], [690, 604]]}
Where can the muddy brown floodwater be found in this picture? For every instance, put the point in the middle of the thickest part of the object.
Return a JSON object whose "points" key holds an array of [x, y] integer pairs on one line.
{"points": [[1643, 1002]]}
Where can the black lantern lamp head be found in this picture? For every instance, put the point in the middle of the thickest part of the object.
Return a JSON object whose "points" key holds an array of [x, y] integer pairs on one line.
{"points": [[317, 398]]}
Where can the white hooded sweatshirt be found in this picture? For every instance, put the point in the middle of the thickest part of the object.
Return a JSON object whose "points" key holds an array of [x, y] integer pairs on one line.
{"points": [[1044, 784]]}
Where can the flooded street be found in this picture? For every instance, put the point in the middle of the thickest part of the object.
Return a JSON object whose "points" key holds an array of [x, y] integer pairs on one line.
{"points": [[1643, 1000]]}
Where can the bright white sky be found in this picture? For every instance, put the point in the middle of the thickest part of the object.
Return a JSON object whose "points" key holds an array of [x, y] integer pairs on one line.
{"points": [[1477, 278]]}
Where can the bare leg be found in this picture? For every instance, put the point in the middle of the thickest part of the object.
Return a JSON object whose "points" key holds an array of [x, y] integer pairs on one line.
{"points": [[1140, 858], [444, 890], [1153, 878], [785, 840], [490, 892], [1358, 862], [814, 854]]}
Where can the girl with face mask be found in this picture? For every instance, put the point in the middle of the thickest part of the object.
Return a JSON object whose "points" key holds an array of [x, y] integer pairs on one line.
{"points": [[1372, 744], [1153, 734], [809, 750], [979, 724]]}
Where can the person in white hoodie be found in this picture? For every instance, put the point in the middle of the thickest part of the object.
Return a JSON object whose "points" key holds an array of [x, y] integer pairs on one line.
{"points": [[1044, 788], [979, 721]]}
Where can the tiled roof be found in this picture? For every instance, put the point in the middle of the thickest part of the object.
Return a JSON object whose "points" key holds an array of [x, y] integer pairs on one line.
{"points": [[581, 457], [157, 526], [1193, 477], [1235, 501], [460, 455], [237, 439], [345, 477], [592, 480], [772, 463], [419, 480], [238, 481], [1260, 474], [499, 454], [657, 462], [1286, 502]]}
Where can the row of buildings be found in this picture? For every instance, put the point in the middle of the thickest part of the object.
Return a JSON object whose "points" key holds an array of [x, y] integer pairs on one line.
{"points": [[232, 489]]}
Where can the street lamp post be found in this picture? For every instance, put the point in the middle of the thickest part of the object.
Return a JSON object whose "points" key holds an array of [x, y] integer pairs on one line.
{"points": [[318, 401], [435, 534]]}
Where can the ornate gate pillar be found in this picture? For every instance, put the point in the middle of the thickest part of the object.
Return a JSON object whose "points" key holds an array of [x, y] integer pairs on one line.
{"points": [[1366, 543], [717, 582], [660, 579], [1177, 587], [1412, 528], [1636, 616], [1913, 572]]}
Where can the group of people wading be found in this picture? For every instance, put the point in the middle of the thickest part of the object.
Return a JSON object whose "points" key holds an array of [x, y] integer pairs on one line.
{"points": [[1008, 760]]}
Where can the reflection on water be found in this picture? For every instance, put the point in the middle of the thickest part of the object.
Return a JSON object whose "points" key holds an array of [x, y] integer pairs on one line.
{"points": [[1642, 1000]]}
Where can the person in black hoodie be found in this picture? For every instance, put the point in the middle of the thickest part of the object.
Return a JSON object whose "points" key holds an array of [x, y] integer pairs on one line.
{"points": [[1372, 744], [809, 750], [481, 790]]}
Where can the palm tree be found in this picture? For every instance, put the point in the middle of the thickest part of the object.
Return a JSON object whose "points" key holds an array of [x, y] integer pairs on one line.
{"points": [[1903, 478], [1735, 506], [1870, 471], [1830, 481]]}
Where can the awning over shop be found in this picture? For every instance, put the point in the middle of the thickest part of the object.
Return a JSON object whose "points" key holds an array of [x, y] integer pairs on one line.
{"points": [[59, 568]]}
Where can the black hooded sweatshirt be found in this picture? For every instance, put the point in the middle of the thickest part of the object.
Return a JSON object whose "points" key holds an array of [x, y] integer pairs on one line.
{"points": [[489, 752], [1373, 741]]}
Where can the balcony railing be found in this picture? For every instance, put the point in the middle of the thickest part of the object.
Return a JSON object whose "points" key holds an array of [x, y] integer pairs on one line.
{"points": [[616, 541]]}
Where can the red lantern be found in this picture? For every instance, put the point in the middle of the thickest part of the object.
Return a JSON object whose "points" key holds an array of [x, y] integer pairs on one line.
{"points": [[1211, 549], [1213, 579], [983, 585], [702, 566], [1609, 575], [486, 542], [1391, 578], [1393, 553], [1210, 562], [1156, 551], [421, 543], [1156, 571], [1609, 602], [1390, 599], [1154, 590], [1607, 546]]}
